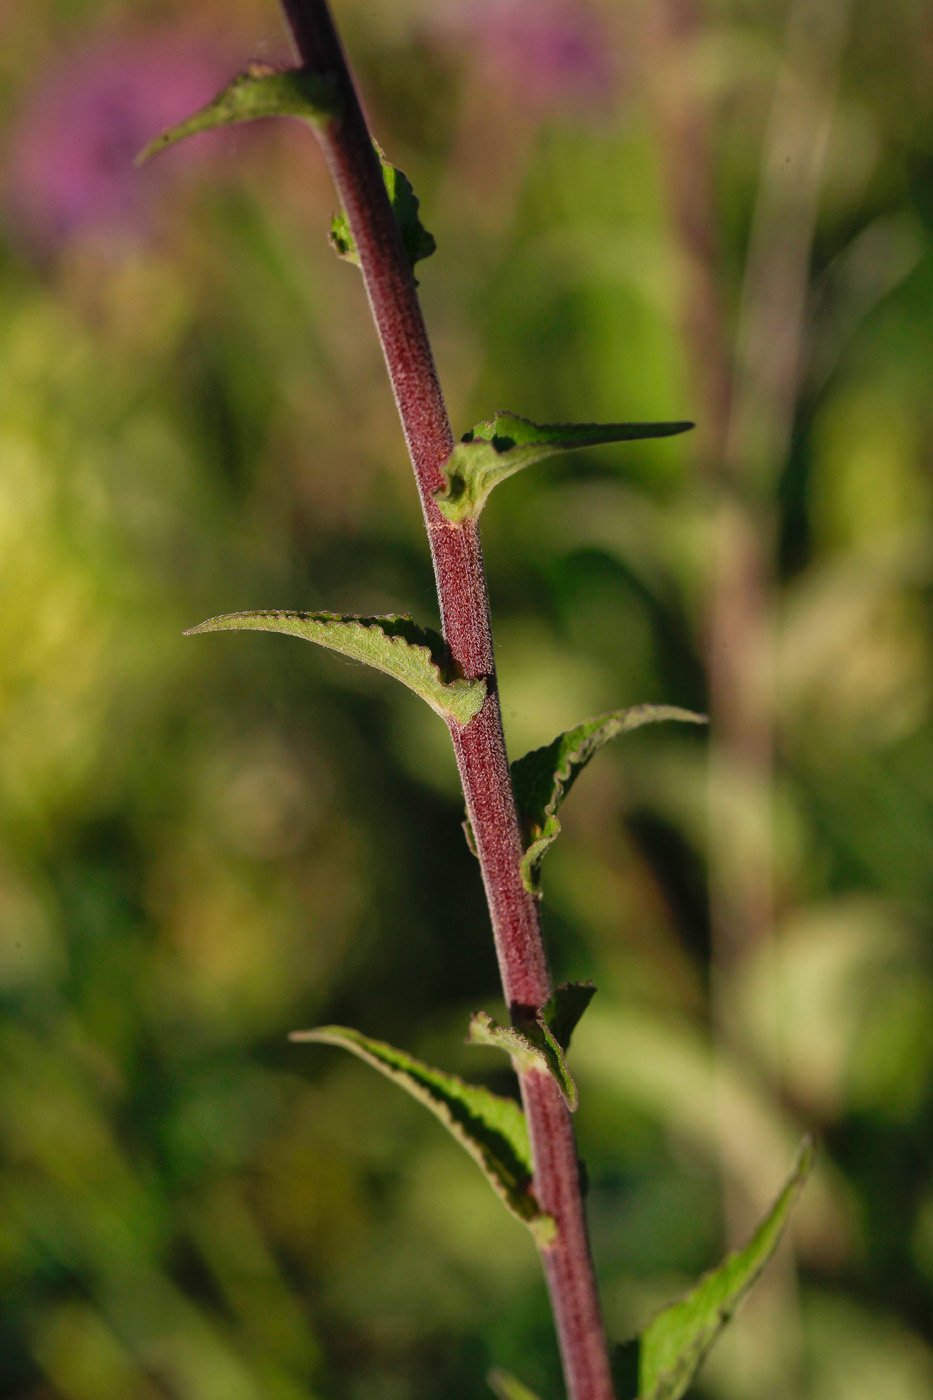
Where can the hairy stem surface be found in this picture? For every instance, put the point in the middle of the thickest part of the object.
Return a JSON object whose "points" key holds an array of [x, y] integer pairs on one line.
{"points": [[479, 746]]}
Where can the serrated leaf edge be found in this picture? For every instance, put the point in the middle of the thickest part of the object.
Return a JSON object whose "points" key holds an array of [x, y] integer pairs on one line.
{"points": [[673, 1383], [535, 1046], [623, 721], [468, 483], [516, 1195], [458, 699], [419, 242]]}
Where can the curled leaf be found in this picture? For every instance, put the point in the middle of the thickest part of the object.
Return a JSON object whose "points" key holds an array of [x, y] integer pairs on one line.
{"points": [[261, 91], [492, 451], [543, 777], [490, 1128], [414, 655], [675, 1344], [419, 243], [540, 1044]]}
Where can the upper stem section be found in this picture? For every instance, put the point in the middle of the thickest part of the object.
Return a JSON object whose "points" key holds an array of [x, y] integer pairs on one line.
{"points": [[455, 549], [390, 286]]}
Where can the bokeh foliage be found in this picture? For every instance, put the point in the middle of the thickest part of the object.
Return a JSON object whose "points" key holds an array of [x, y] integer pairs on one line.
{"points": [[208, 842]]}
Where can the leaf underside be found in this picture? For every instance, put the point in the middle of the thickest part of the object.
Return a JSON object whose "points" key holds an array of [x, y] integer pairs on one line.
{"points": [[506, 1387], [414, 655], [540, 1044], [494, 450], [419, 243], [490, 1128], [543, 777], [675, 1344], [261, 91]]}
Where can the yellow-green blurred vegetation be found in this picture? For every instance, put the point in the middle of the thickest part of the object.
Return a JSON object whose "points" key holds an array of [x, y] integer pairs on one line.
{"points": [[644, 209]]}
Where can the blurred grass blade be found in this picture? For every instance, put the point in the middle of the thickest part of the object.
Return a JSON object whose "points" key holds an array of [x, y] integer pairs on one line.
{"points": [[675, 1344], [494, 450], [506, 1387], [492, 1129], [261, 91], [540, 1045], [419, 243], [542, 778], [416, 656]]}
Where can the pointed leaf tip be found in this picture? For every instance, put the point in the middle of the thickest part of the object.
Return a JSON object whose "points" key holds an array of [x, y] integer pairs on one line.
{"points": [[495, 450], [419, 243], [675, 1344], [260, 91], [544, 777], [416, 656], [490, 1128]]}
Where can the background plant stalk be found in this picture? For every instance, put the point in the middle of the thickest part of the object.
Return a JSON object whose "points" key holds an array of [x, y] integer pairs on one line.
{"points": [[479, 746]]}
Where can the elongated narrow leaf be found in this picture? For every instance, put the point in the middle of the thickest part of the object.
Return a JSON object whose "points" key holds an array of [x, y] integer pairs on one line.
{"points": [[414, 655], [405, 203], [543, 778], [540, 1044], [259, 92], [675, 1344], [508, 1388], [494, 450], [492, 1129]]}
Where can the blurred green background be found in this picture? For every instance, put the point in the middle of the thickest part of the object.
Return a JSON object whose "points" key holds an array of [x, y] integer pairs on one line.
{"points": [[644, 209]]}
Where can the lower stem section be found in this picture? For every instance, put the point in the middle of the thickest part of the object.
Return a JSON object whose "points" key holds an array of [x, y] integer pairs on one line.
{"points": [[568, 1265]]}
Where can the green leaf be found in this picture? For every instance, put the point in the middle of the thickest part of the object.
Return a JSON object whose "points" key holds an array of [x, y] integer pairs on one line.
{"points": [[414, 655], [418, 242], [492, 1129], [494, 450], [675, 1344], [508, 1388], [540, 1044], [261, 91], [484, 1030], [543, 778], [564, 1008]]}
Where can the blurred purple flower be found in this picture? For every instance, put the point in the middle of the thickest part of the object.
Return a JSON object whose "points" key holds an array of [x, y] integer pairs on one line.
{"points": [[71, 157], [552, 52]]}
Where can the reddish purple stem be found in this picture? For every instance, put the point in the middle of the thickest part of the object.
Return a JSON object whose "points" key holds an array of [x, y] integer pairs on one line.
{"points": [[479, 746]]}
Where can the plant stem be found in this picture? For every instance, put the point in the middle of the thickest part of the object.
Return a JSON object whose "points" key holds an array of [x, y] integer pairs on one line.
{"points": [[479, 746]]}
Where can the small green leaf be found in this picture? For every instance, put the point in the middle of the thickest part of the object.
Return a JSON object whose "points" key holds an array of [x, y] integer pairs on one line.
{"points": [[261, 91], [484, 1030], [414, 655], [564, 1008], [675, 1344], [492, 1129], [540, 1044], [418, 242], [494, 450], [543, 778], [508, 1388]]}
